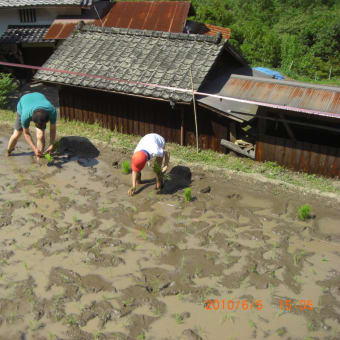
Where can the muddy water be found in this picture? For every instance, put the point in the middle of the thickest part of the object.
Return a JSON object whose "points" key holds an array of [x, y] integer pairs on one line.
{"points": [[81, 260]]}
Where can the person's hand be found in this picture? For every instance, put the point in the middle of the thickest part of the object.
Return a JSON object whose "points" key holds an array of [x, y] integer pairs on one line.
{"points": [[165, 168], [38, 153], [131, 191], [49, 150]]}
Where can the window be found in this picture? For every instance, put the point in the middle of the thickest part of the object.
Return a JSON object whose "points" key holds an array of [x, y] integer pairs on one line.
{"points": [[27, 15]]}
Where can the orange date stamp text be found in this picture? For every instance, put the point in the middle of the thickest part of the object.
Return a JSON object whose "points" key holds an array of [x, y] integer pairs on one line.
{"points": [[233, 305]]}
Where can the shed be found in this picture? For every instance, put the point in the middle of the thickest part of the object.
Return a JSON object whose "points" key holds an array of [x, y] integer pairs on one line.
{"points": [[139, 81], [298, 124]]}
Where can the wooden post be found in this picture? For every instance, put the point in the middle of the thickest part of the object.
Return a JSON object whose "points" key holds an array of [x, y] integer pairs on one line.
{"points": [[289, 130], [193, 98], [232, 136], [182, 126]]}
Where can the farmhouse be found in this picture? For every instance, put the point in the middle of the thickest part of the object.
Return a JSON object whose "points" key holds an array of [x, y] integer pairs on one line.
{"points": [[297, 124], [24, 23], [125, 65]]}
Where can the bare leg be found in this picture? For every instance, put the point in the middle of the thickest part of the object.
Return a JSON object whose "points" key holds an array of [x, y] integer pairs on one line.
{"points": [[139, 178], [13, 141], [159, 182]]}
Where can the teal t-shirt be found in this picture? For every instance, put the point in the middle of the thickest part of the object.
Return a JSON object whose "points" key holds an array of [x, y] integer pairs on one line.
{"points": [[31, 102]]}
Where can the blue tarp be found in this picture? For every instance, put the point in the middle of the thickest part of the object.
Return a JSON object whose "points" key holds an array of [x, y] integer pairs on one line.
{"points": [[273, 74]]}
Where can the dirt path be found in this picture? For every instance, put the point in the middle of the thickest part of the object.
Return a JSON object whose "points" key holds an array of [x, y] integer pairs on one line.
{"points": [[81, 260]]}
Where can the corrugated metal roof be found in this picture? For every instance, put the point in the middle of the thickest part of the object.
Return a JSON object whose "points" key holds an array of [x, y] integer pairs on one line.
{"points": [[62, 28], [166, 16], [24, 34], [43, 3], [207, 29], [322, 100]]}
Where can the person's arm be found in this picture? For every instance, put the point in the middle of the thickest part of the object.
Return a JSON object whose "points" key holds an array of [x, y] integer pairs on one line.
{"points": [[53, 132], [166, 161], [41, 140], [29, 140], [132, 190]]}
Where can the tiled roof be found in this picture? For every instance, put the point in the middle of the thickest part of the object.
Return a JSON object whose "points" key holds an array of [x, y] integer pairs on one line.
{"points": [[135, 56], [43, 3], [25, 34]]}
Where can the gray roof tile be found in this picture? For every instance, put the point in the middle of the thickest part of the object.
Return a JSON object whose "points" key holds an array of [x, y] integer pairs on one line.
{"points": [[43, 3], [134, 55], [25, 34]]}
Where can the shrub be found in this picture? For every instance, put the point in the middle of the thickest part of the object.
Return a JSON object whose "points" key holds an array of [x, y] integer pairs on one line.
{"points": [[187, 194], [7, 87], [126, 167], [304, 212]]}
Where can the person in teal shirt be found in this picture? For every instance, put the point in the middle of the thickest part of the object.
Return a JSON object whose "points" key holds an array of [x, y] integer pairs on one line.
{"points": [[34, 107]]}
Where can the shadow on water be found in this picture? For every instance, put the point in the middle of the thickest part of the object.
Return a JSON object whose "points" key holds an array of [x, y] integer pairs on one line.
{"points": [[180, 178], [75, 148]]}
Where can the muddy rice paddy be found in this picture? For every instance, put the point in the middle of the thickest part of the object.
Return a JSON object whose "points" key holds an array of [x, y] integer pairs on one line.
{"points": [[81, 260]]}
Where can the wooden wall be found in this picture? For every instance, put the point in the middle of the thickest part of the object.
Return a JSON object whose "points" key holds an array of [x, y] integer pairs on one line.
{"points": [[140, 116], [299, 156]]}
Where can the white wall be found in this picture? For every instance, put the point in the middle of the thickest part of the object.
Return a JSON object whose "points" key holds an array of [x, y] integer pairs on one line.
{"points": [[44, 16]]}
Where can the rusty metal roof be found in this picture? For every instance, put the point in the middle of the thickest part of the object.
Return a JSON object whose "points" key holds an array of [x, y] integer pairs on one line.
{"points": [[62, 28], [295, 96], [207, 29], [166, 16]]}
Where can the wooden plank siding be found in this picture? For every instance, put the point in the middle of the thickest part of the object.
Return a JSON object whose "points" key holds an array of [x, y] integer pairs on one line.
{"points": [[299, 156], [140, 116]]}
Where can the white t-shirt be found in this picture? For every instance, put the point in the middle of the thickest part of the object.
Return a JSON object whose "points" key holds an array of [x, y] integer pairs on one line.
{"points": [[153, 143]]}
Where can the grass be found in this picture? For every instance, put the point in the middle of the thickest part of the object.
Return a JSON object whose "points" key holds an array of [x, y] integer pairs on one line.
{"points": [[304, 212], [187, 195], [187, 155], [126, 167]]}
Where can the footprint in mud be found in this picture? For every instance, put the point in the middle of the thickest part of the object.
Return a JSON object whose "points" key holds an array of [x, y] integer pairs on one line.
{"points": [[235, 197]]}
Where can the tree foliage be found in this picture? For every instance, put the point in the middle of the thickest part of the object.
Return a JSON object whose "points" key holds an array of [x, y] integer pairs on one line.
{"points": [[300, 37], [7, 87]]}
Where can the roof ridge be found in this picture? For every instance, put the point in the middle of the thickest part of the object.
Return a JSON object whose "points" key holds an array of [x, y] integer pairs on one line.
{"points": [[149, 33]]}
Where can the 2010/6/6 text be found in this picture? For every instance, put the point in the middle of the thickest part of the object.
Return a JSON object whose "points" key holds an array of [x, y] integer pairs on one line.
{"points": [[233, 305]]}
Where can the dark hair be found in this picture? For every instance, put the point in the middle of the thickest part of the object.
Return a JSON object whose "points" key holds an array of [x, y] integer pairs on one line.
{"points": [[40, 117]]}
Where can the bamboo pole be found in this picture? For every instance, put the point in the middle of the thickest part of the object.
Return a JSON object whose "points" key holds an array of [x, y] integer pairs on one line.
{"points": [[194, 101]]}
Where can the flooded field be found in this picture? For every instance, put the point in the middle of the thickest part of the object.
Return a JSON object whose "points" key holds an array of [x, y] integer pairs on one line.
{"points": [[80, 260]]}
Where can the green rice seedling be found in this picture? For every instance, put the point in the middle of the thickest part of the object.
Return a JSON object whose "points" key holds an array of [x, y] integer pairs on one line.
{"points": [[157, 168], [304, 212], [75, 219], [126, 167], [324, 259], [187, 195], [81, 233], [252, 324], [52, 336], [143, 234], [26, 265], [49, 158], [178, 318], [141, 336], [227, 317], [281, 331]]}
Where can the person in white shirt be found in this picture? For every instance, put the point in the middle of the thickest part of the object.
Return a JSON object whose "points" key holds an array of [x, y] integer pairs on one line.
{"points": [[149, 147]]}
